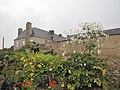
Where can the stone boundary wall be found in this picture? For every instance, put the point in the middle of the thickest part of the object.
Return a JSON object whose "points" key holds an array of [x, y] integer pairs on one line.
{"points": [[110, 47]]}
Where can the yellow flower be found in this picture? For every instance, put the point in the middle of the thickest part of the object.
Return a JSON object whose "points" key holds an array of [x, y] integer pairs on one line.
{"points": [[39, 66], [31, 74], [30, 63], [50, 69]]}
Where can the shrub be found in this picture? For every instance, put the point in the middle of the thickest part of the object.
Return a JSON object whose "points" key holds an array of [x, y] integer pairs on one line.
{"points": [[80, 71]]}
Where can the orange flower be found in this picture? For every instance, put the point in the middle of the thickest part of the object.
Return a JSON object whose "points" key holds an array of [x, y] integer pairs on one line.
{"points": [[30, 63], [29, 83], [6, 51], [53, 83], [22, 84], [18, 54]]}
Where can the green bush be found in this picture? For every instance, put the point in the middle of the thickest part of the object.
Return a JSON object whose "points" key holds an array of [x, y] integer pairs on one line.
{"points": [[80, 71]]}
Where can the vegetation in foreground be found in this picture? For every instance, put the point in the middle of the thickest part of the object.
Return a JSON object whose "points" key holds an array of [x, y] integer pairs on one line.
{"points": [[23, 70]]}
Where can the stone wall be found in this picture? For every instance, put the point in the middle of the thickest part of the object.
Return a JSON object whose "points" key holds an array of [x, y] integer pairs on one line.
{"points": [[110, 47], [20, 43], [39, 40]]}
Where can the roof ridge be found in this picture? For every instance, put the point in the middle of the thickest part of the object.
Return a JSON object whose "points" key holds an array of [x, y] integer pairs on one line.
{"points": [[40, 29], [44, 30], [112, 29]]}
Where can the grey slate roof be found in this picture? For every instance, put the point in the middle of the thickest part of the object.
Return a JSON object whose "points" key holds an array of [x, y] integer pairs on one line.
{"points": [[36, 32], [115, 31]]}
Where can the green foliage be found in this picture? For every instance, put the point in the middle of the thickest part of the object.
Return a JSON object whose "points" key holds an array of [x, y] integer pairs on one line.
{"points": [[78, 72], [17, 77], [9, 62], [2, 78], [88, 69]]}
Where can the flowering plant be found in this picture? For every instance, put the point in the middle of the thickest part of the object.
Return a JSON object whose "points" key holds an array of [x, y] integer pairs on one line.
{"points": [[54, 72], [89, 35]]}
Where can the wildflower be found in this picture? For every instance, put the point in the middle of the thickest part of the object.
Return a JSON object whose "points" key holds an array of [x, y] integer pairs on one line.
{"points": [[31, 74], [22, 84], [88, 37], [69, 71], [98, 45], [6, 51], [53, 83], [63, 54], [50, 69], [74, 51], [76, 60], [67, 42], [29, 83], [18, 54], [30, 63], [81, 65], [99, 51], [84, 64]]}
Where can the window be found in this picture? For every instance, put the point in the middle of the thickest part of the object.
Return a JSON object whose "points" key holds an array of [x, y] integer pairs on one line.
{"points": [[17, 44], [23, 43]]}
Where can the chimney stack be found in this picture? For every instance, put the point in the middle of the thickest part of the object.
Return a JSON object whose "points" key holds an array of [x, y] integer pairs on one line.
{"points": [[60, 35], [51, 32], [29, 28], [19, 31]]}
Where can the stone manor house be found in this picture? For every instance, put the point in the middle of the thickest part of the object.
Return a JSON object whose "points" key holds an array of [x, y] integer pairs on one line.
{"points": [[110, 49], [33, 34]]}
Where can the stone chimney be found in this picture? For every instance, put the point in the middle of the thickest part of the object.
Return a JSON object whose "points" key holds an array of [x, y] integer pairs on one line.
{"points": [[51, 32], [60, 35], [29, 28], [19, 31]]}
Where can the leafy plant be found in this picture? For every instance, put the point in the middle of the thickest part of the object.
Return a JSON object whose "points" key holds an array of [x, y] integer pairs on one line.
{"points": [[78, 72]]}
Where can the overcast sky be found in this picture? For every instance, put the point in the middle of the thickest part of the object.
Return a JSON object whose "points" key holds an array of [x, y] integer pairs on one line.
{"points": [[60, 15]]}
